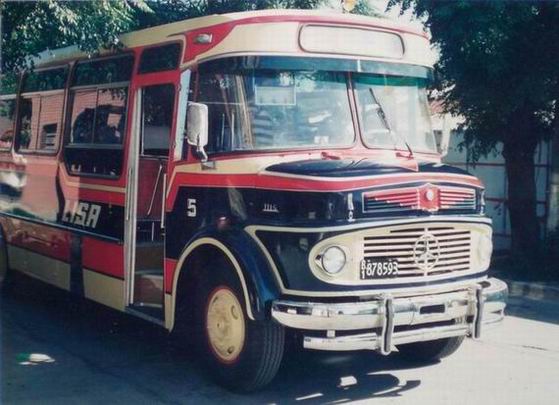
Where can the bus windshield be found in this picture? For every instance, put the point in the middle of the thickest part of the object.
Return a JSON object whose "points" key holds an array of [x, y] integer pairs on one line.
{"points": [[265, 109], [394, 111], [262, 109]]}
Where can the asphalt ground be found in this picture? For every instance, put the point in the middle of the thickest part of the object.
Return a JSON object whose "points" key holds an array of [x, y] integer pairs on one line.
{"points": [[57, 349]]}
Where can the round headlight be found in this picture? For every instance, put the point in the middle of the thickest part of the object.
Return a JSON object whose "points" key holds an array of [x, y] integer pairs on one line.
{"points": [[333, 259], [484, 250]]}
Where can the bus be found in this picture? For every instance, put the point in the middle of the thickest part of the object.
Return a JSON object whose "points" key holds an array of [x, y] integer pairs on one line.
{"points": [[248, 178]]}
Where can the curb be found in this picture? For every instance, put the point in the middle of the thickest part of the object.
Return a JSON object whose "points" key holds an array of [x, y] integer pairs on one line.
{"points": [[535, 291]]}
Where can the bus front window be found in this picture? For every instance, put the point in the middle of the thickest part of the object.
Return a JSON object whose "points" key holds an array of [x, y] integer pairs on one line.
{"points": [[394, 110], [270, 109]]}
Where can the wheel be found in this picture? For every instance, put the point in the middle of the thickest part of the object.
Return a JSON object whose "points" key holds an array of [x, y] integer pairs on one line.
{"points": [[240, 354], [431, 350]]}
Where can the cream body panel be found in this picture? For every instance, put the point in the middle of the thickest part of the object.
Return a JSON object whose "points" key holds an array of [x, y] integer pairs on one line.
{"points": [[41, 267]]}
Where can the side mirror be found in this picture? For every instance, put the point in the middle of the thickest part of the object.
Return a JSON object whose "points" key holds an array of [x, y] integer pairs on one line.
{"points": [[197, 128]]}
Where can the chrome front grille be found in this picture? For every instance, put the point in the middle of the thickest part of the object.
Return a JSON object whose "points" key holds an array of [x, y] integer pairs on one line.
{"points": [[448, 247]]}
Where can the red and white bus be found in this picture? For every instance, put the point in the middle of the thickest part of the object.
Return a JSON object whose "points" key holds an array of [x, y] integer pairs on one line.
{"points": [[236, 178]]}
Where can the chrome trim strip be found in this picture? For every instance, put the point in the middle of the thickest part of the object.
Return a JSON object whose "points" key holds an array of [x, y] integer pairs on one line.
{"points": [[252, 229], [371, 341]]}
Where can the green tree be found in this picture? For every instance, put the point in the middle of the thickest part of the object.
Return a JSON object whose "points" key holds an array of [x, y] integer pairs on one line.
{"points": [[31, 27], [165, 11], [499, 69]]}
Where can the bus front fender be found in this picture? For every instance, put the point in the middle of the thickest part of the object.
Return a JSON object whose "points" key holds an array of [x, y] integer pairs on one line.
{"points": [[259, 286]]}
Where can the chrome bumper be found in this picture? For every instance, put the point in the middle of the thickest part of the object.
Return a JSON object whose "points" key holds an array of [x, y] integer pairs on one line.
{"points": [[471, 308]]}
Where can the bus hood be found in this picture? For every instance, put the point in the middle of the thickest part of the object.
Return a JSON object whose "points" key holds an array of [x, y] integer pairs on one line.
{"points": [[340, 168]]}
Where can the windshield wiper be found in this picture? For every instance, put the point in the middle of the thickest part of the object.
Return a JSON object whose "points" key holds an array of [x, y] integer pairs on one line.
{"points": [[382, 116]]}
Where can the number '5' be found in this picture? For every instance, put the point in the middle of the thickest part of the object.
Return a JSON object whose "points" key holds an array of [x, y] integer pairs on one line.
{"points": [[191, 207]]}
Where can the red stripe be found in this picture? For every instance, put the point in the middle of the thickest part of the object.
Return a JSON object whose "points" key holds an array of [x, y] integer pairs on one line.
{"points": [[170, 267], [270, 182], [104, 257], [42, 239]]}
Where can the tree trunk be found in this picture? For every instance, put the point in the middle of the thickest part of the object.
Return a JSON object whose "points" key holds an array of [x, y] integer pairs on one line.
{"points": [[519, 163], [553, 198]]}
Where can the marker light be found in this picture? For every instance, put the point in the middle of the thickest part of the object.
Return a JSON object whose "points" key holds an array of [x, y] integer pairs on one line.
{"points": [[203, 39], [348, 5], [333, 260]]}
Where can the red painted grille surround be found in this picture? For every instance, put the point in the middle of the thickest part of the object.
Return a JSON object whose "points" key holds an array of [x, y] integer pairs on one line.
{"points": [[428, 197]]}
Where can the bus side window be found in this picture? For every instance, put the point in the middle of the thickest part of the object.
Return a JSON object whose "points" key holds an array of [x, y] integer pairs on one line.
{"points": [[225, 111], [8, 84], [7, 117], [160, 58], [40, 114], [97, 131], [83, 114], [157, 117], [98, 116], [28, 121]]}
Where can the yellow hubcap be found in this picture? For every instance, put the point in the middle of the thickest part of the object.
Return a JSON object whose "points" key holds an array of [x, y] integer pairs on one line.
{"points": [[225, 323]]}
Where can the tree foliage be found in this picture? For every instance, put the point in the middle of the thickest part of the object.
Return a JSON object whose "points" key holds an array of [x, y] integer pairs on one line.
{"points": [[31, 27], [497, 59], [498, 69], [164, 11]]}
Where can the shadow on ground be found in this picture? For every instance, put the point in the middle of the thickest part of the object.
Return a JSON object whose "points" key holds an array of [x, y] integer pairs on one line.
{"points": [[535, 310], [57, 348]]}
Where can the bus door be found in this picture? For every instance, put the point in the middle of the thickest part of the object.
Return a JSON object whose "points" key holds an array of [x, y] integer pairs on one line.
{"points": [[149, 150]]}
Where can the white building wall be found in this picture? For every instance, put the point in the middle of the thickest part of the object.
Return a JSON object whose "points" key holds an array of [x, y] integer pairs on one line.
{"points": [[491, 171]]}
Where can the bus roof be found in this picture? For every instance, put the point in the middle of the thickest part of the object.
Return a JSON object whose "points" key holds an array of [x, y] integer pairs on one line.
{"points": [[259, 32]]}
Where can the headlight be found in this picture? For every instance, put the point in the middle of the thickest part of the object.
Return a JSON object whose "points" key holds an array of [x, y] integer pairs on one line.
{"points": [[484, 250], [333, 260]]}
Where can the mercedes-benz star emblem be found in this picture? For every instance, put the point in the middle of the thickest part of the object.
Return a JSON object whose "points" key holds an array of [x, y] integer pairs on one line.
{"points": [[426, 252]]}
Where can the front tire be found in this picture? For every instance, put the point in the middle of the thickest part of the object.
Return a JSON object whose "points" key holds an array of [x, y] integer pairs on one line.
{"points": [[431, 350], [240, 354]]}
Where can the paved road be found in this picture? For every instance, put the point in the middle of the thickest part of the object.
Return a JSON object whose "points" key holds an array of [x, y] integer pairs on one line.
{"points": [[57, 349]]}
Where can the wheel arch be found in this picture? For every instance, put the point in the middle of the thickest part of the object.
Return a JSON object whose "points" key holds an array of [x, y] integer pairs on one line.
{"points": [[246, 264]]}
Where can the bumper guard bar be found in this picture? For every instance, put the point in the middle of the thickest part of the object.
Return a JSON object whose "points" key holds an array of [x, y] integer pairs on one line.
{"points": [[470, 308]]}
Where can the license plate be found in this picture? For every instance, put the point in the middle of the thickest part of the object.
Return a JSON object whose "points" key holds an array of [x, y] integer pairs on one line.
{"points": [[373, 268]]}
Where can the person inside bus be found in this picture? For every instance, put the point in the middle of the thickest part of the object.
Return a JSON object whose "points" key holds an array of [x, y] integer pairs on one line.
{"points": [[82, 129], [263, 127], [109, 124]]}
